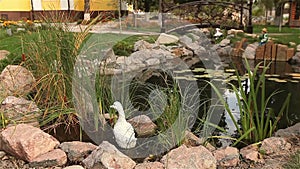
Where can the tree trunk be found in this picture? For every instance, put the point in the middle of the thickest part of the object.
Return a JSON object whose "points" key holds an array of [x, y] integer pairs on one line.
{"points": [[277, 14], [87, 15]]}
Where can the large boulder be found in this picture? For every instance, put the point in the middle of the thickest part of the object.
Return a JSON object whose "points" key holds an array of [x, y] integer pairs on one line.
{"points": [[250, 50], [149, 165], [26, 142], [56, 157], [17, 80], [143, 125], [108, 156], [166, 39], [20, 110], [275, 146], [227, 156], [142, 45], [293, 131], [77, 150], [194, 157], [298, 48]]}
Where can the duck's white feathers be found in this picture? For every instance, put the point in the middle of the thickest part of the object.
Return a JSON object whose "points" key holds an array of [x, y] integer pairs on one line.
{"points": [[123, 131]]}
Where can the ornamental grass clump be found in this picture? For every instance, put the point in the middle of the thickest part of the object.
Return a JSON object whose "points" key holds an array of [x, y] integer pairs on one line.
{"points": [[257, 120], [50, 54]]}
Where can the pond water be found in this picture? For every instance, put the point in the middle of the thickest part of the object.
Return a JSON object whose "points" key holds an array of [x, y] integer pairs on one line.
{"points": [[280, 76], [283, 77]]}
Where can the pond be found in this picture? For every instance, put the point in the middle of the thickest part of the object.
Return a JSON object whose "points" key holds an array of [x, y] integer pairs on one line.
{"points": [[279, 77]]}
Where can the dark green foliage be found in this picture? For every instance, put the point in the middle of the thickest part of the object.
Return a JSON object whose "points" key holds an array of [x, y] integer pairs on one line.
{"points": [[125, 47]]}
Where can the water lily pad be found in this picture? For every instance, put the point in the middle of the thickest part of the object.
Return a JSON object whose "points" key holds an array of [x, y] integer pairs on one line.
{"points": [[199, 70], [190, 79], [182, 71], [294, 74], [180, 78], [203, 76], [294, 81], [280, 81], [296, 77], [230, 70], [277, 80]]}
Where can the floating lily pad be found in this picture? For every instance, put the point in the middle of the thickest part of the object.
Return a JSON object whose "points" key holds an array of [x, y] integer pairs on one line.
{"points": [[278, 80], [296, 77], [182, 71], [191, 79], [180, 78], [230, 70], [294, 81], [203, 76], [294, 74], [199, 70]]}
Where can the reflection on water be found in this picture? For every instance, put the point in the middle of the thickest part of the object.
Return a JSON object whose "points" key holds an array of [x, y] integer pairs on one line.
{"points": [[280, 76]]}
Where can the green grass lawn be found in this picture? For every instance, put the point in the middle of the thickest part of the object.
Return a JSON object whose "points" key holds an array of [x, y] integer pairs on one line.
{"points": [[275, 29], [284, 36], [14, 44]]}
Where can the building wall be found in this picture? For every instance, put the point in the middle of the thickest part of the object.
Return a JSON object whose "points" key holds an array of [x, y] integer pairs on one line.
{"points": [[16, 9], [295, 15], [10, 15]]}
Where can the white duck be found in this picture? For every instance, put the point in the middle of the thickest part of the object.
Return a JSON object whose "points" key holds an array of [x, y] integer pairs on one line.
{"points": [[218, 33], [123, 131]]}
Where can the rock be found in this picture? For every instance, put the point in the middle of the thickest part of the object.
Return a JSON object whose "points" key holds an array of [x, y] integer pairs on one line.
{"points": [[190, 140], [150, 165], [143, 125], [298, 48], [108, 156], [224, 51], [17, 80], [21, 29], [20, 110], [250, 153], [201, 51], [76, 150], [152, 61], [225, 42], [227, 156], [293, 131], [167, 39], [4, 54], [295, 59], [53, 158], [250, 51], [292, 44], [2, 154], [185, 40], [194, 157], [194, 37], [109, 55], [281, 52], [74, 167], [26, 142], [142, 45], [274, 146], [234, 31]]}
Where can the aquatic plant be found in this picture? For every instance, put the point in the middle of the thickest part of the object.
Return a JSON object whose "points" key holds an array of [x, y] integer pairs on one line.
{"points": [[257, 120]]}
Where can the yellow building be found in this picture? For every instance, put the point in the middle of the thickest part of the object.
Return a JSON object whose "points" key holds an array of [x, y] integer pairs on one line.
{"points": [[17, 9]]}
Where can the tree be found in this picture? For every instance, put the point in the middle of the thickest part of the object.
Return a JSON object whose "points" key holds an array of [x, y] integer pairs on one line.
{"points": [[87, 14]]}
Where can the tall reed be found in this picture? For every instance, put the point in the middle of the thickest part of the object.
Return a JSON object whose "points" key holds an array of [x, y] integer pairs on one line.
{"points": [[257, 120], [50, 54]]}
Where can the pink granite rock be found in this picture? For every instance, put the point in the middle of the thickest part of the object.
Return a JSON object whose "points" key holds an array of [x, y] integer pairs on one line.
{"points": [[26, 142]]}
